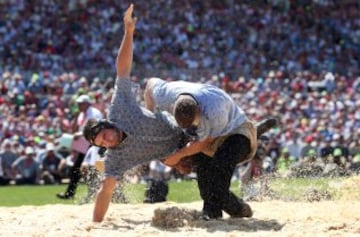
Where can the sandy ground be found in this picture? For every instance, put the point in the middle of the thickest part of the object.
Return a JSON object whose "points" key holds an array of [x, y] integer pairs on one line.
{"points": [[271, 218]]}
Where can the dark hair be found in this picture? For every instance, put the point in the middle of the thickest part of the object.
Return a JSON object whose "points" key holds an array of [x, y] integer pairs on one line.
{"points": [[185, 109], [93, 127]]}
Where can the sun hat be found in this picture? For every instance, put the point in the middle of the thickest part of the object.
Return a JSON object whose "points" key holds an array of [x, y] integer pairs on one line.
{"points": [[50, 147], [84, 99], [29, 150]]}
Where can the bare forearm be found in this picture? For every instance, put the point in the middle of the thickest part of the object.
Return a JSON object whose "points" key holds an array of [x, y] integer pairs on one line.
{"points": [[103, 198], [190, 149], [125, 56], [102, 202]]}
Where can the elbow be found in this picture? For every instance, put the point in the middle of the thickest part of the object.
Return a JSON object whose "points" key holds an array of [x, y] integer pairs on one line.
{"points": [[122, 73], [123, 69]]}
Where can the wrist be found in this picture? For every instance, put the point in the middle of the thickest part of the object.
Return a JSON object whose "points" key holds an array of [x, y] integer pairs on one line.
{"points": [[129, 32]]}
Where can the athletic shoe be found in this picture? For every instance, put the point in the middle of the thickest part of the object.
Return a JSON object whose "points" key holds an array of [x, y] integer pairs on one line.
{"points": [[64, 196]]}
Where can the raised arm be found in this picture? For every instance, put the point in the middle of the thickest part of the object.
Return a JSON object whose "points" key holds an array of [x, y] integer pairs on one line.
{"points": [[125, 53]]}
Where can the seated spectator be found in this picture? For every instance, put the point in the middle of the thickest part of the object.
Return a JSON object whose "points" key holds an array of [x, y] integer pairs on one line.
{"points": [[311, 165], [355, 165], [273, 149], [26, 170], [327, 148], [336, 164], [67, 163], [308, 147], [354, 149], [339, 158], [51, 170], [340, 144], [285, 162], [293, 145], [7, 157]]}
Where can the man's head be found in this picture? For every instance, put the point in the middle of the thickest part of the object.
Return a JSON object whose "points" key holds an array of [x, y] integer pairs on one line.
{"points": [[83, 102], [102, 133], [29, 151], [7, 145], [186, 111], [50, 147]]}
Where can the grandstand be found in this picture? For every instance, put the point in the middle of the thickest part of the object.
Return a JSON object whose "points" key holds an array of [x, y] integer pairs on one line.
{"points": [[184, 41]]}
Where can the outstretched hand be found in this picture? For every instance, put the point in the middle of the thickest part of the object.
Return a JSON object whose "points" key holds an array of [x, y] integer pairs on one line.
{"points": [[129, 20]]}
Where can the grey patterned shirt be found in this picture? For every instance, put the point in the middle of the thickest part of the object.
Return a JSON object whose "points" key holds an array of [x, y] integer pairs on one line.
{"points": [[149, 136]]}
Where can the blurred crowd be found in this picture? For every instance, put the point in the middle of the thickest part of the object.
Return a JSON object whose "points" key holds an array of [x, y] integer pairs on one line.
{"points": [[318, 117], [245, 37], [295, 60]]}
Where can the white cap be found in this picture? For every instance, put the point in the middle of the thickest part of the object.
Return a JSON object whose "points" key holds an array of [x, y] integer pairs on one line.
{"points": [[336, 136], [84, 99], [29, 150], [50, 147]]}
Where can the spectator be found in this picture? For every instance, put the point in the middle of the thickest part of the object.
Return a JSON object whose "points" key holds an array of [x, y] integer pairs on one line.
{"points": [[339, 159], [26, 170], [340, 144], [285, 163], [67, 163], [273, 149], [293, 145], [50, 169], [355, 154], [87, 111], [327, 149], [354, 150], [7, 159], [254, 44], [308, 149]]}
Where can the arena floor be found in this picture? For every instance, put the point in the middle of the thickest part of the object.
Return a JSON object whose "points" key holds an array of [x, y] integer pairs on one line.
{"points": [[271, 218]]}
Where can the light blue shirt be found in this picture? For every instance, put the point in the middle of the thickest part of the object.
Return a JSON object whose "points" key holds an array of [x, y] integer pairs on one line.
{"points": [[27, 167], [220, 114]]}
